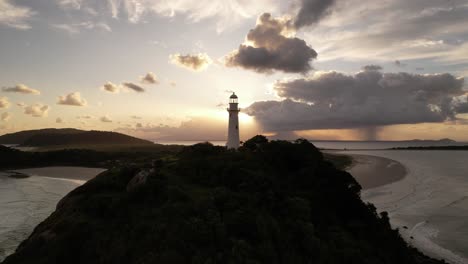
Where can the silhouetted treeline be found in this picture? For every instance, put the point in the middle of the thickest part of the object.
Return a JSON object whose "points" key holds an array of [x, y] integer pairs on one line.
{"points": [[15, 159], [269, 202]]}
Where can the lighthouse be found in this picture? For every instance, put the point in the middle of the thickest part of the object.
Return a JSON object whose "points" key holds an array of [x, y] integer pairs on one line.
{"points": [[233, 128]]}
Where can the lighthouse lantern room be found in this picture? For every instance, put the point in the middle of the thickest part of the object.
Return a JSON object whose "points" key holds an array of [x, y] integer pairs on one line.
{"points": [[233, 127]]}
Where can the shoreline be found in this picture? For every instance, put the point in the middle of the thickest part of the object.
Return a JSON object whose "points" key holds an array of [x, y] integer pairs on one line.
{"points": [[59, 172], [374, 171]]}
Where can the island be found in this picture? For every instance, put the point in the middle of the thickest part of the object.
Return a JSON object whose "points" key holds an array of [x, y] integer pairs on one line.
{"points": [[268, 202]]}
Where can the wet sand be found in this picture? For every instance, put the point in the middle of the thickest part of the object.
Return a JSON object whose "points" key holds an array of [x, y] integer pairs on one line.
{"points": [[71, 173], [373, 171]]}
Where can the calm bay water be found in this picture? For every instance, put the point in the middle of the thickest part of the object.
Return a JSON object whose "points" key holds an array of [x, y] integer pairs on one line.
{"points": [[431, 201], [24, 203]]}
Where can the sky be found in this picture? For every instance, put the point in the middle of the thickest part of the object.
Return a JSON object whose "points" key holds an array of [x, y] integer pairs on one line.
{"points": [[164, 70]]}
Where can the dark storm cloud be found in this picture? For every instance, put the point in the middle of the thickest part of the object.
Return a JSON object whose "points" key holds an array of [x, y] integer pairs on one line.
{"points": [[133, 87], [311, 11], [462, 108], [368, 99], [272, 49]]}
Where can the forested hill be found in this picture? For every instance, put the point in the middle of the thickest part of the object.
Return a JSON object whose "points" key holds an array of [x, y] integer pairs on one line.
{"points": [[270, 202], [54, 137], [19, 138]]}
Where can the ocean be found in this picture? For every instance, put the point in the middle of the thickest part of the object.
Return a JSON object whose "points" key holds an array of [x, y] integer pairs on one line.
{"points": [[341, 145], [25, 202], [431, 201]]}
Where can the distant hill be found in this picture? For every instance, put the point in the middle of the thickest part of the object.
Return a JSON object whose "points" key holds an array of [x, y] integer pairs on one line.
{"points": [[69, 136], [18, 138], [440, 141]]}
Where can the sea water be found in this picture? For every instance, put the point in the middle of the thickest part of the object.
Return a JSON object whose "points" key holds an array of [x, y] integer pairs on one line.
{"points": [[430, 205], [340, 145], [26, 202]]}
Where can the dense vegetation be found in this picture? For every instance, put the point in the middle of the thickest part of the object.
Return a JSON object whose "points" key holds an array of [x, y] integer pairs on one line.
{"points": [[18, 138], [269, 202], [68, 136], [14, 159]]}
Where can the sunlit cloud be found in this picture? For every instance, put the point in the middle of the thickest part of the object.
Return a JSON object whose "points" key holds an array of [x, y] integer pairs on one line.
{"points": [[59, 120], [4, 103], [105, 119], [73, 99], [111, 87], [5, 116], [195, 62], [149, 78], [15, 16], [21, 88], [227, 14], [76, 28], [37, 110]]}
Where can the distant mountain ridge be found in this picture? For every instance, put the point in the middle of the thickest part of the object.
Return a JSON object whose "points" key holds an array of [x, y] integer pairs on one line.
{"points": [[69, 136]]}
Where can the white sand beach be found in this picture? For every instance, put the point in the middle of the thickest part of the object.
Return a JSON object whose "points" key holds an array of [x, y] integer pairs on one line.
{"points": [[424, 193]]}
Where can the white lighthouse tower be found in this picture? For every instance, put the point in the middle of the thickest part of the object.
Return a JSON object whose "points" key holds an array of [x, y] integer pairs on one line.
{"points": [[233, 128]]}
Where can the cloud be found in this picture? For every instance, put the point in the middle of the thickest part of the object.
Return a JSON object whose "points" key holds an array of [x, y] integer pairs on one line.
{"points": [[4, 103], [59, 120], [385, 30], [105, 119], [133, 87], [196, 128], [37, 110], [84, 117], [372, 68], [110, 87], [21, 104], [311, 11], [5, 117], [21, 88], [135, 117], [73, 99], [271, 46], [225, 14], [149, 78], [366, 100], [76, 28], [196, 62], [15, 16]]}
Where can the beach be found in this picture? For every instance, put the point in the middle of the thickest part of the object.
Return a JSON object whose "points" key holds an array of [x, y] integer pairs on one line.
{"points": [[28, 196], [424, 193], [373, 171], [69, 173]]}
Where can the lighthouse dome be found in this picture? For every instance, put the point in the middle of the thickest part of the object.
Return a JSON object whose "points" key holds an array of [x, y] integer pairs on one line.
{"points": [[233, 96]]}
